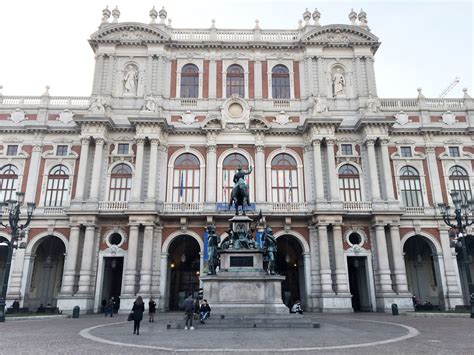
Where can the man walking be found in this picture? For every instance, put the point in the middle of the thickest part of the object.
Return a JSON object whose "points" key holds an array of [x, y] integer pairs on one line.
{"points": [[189, 312]]}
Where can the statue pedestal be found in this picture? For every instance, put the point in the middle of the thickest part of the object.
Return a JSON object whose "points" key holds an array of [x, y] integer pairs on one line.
{"points": [[242, 286]]}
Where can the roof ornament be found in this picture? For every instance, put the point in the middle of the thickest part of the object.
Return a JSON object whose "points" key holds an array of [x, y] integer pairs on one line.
{"points": [[1, 87], [300, 24], [306, 17], [464, 90], [169, 23], [153, 15], [46, 90], [105, 15], [363, 19], [162, 15], [420, 95], [316, 17], [115, 14], [353, 17], [257, 27]]}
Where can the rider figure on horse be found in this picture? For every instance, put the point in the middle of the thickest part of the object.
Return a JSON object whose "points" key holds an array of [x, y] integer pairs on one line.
{"points": [[239, 180]]}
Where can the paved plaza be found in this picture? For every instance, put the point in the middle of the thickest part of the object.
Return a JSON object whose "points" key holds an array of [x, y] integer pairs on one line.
{"points": [[349, 333]]}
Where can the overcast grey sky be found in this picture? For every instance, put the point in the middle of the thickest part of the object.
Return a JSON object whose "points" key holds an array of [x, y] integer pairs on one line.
{"points": [[424, 43]]}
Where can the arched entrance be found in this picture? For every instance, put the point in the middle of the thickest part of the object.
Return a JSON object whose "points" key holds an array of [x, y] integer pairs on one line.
{"points": [[183, 270], [290, 263], [422, 267], [462, 270], [47, 272]]}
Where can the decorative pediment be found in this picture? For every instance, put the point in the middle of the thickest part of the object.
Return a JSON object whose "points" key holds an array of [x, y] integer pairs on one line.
{"points": [[258, 123], [212, 123], [129, 33], [341, 36]]}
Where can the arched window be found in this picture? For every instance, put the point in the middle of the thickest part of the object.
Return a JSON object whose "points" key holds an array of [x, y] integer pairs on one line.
{"points": [[410, 187], [189, 81], [120, 183], [57, 188], [280, 82], [8, 182], [235, 81], [229, 166], [459, 182], [186, 179], [284, 179], [349, 183]]}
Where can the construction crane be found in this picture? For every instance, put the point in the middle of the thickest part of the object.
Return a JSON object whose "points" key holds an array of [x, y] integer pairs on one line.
{"points": [[451, 85]]}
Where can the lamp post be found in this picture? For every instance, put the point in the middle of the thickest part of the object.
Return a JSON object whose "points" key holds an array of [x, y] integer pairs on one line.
{"points": [[17, 235], [462, 210]]}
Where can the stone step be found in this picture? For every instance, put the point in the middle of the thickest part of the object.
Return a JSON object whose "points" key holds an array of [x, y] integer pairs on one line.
{"points": [[250, 322]]}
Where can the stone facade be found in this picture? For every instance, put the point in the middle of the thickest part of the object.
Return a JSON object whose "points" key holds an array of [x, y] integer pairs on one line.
{"points": [[129, 177]]}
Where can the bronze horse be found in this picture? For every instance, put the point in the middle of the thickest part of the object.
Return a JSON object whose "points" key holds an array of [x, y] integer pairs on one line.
{"points": [[239, 197]]}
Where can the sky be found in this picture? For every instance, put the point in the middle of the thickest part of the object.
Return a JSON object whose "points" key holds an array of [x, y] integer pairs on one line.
{"points": [[424, 43]]}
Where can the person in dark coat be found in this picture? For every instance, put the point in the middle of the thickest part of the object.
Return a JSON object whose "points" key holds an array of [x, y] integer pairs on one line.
{"points": [[189, 311], [137, 309], [152, 310]]}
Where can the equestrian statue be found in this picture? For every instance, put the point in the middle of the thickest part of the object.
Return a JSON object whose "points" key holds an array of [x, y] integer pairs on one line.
{"points": [[240, 191]]}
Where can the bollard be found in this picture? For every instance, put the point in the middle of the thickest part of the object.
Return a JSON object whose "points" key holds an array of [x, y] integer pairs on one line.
{"points": [[394, 309], [75, 312]]}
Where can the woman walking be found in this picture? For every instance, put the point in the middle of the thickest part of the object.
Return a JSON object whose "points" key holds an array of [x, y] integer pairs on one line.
{"points": [[137, 309], [152, 310]]}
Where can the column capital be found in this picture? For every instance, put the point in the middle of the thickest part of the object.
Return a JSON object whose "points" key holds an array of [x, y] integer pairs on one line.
{"points": [[260, 148], [154, 141], [430, 149], [316, 142], [37, 148], [162, 148], [85, 140], [211, 148], [330, 141], [140, 140], [369, 142], [100, 141], [384, 141]]}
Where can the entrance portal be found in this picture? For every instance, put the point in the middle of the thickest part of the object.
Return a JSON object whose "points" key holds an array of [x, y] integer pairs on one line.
{"points": [[112, 285], [47, 272], [358, 283], [289, 263], [183, 267]]}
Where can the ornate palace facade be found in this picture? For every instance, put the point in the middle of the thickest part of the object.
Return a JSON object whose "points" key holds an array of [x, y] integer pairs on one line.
{"points": [[126, 180]]}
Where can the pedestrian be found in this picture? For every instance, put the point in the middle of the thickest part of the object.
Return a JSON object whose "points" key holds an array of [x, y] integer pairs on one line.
{"points": [[137, 309], [110, 307], [152, 310], [204, 311], [189, 311], [104, 306]]}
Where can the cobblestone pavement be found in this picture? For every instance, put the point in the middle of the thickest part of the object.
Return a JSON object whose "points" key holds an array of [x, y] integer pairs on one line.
{"points": [[338, 334]]}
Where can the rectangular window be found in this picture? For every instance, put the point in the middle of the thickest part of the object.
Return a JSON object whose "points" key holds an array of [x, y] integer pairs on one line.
{"points": [[454, 152], [405, 152], [346, 149], [61, 150], [122, 148], [12, 150]]}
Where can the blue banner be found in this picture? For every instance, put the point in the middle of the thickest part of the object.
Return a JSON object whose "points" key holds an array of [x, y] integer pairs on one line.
{"points": [[258, 240], [206, 254], [224, 206]]}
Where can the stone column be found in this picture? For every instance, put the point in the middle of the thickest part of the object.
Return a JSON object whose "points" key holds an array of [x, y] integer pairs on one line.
{"points": [[33, 174], [434, 175], [137, 178], [156, 271], [374, 176], [398, 260], [313, 247], [318, 170], [97, 168], [81, 174], [341, 275], [384, 281], [260, 180], [387, 170], [16, 273], [147, 258], [453, 292], [211, 183], [131, 269], [325, 266], [151, 193], [333, 183], [163, 169], [85, 275], [163, 281], [71, 261]]}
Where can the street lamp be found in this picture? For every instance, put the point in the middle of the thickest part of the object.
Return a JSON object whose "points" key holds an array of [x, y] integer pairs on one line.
{"points": [[17, 235], [462, 210]]}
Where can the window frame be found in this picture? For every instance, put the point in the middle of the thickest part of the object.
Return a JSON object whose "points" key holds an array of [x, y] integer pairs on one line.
{"points": [[235, 80], [57, 185], [189, 82], [346, 145], [284, 179], [281, 86], [8, 189], [11, 146], [186, 177], [406, 149], [59, 148], [452, 149], [123, 145], [411, 188], [350, 186], [120, 184]]}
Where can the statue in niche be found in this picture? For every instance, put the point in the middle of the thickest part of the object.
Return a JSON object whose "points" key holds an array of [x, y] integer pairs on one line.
{"points": [[130, 80], [338, 83], [212, 243], [270, 249]]}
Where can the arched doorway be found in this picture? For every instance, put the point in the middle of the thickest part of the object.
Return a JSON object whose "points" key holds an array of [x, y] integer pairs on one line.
{"points": [[47, 272], [423, 276], [183, 268], [470, 262], [290, 263]]}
